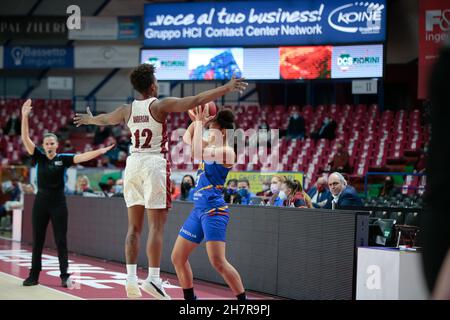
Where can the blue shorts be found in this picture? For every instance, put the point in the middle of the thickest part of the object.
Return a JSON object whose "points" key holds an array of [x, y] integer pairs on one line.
{"points": [[205, 223]]}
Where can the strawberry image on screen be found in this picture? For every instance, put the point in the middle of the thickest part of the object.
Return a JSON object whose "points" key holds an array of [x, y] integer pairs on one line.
{"points": [[305, 62]]}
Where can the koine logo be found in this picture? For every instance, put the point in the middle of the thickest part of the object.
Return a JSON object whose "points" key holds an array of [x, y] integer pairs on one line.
{"points": [[437, 17], [362, 17]]}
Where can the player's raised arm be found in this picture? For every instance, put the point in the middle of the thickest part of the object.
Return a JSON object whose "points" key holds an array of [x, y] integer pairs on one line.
{"points": [[112, 118], [27, 142], [184, 104], [86, 156], [194, 134]]}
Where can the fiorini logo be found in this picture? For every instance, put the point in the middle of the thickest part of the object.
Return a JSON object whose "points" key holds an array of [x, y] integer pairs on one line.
{"points": [[362, 17], [345, 61], [166, 63]]}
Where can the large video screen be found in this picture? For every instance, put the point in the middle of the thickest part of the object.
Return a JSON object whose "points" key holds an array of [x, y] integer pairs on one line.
{"points": [[281, 63]]}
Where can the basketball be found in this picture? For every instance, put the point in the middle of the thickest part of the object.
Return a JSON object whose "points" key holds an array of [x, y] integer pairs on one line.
{"points": [[212, 109]]}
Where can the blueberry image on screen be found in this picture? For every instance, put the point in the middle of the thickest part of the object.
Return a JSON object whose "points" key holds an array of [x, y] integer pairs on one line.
{"points": [[220, 67]]}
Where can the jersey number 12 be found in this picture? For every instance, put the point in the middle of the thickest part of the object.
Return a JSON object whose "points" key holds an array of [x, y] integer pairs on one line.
{"points": [[147, 134]]}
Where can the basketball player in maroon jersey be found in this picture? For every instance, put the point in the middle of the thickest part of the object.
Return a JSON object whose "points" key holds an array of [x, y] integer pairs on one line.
{"points": [[147, 171]]}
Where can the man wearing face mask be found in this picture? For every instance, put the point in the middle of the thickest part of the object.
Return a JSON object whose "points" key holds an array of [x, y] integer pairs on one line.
{"points": [[319, 193], [244, 191], [296, 126], [327, 130]]}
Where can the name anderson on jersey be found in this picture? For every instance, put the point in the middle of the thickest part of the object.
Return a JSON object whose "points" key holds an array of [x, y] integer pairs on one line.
{"points": [[141, 119]]}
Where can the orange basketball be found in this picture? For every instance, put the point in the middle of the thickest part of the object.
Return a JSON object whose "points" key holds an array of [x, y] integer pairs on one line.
{"points": [[212, 110]]}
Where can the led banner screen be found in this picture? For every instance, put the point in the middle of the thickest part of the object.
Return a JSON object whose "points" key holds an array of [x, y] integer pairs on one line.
{"points": [[263, 23], [281, 63]]}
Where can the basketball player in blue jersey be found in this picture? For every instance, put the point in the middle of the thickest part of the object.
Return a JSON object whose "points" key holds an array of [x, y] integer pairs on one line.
{"points": [[209, 218]]}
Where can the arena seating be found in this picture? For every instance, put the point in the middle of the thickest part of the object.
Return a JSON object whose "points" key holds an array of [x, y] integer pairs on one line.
{"points": [[372, 138], [53, 115]]}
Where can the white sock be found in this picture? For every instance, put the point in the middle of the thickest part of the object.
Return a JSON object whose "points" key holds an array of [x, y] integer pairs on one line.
{"points": [[132, 271], [153, 274]]}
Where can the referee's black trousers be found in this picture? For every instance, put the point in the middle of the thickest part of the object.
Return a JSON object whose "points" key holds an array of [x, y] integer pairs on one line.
{"points": [[50, 206]]}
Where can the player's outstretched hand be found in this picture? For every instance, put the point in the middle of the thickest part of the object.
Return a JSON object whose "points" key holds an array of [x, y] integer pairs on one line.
{"points": [[83, 118], [238, 85], [26, 108], [201, 113], [106, 149]]}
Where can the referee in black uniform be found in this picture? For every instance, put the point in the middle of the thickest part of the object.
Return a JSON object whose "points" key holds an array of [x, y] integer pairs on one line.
{"points": [[50, 202]]}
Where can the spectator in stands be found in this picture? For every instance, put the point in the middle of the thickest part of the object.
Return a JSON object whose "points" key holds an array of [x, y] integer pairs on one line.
{"points": [[12, 127], [68, 147], [342, 195], [327, 130], [319, 193], [118, 188], [101, 133], [108, 187], [244, 191], [83, 185], [265, 194], [14, 193], [113, 155], [230, 193], [264, 135], [389, 189], [296, 126], [341, 160], [420, 165], [174, 190], [124, 143], [121, 160], [275, 187], [187, 188], [294, 196], [105, 162]]}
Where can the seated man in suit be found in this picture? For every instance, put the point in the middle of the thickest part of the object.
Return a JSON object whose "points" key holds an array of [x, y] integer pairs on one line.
{"points": [[342, 195], [319, 193]]}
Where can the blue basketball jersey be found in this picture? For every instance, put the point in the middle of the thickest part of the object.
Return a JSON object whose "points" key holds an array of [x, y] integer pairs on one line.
{"points": [[211, 178]]}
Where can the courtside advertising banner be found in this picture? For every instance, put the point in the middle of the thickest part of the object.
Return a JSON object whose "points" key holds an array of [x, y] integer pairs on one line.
{"points": [[106, 56], [37, 57], [434, 28], [260, 23]]}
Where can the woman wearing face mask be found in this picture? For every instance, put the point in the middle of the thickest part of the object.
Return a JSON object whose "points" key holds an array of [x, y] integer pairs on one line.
{"points": [[265, 194], [275, 187], [244, 191], [187, 190], [230, 193]]}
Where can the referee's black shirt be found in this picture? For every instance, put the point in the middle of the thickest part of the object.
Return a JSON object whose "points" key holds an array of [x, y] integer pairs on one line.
{"points": [[51, 173]]}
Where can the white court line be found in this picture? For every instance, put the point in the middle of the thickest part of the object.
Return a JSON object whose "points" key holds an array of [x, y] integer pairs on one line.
{"points": [[61, 292]]}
